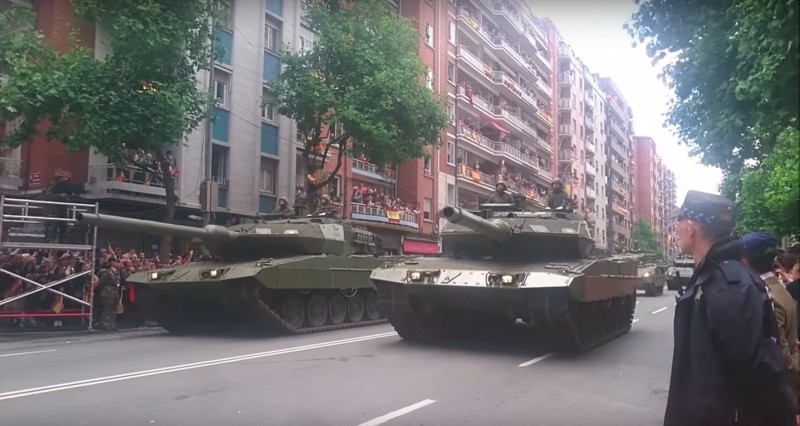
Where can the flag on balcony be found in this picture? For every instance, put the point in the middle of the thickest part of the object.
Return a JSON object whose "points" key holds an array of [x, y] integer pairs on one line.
{"points": [[393, 216]]}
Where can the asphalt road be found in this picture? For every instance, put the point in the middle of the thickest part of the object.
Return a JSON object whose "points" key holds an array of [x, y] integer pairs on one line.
{"points": [[357, 377]]}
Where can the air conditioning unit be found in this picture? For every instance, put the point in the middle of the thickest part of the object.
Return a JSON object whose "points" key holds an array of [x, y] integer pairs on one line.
{"points": [[209, 196]]}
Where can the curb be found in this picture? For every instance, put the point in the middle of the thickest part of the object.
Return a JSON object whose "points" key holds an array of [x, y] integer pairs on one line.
{"points": [[32, 337]]}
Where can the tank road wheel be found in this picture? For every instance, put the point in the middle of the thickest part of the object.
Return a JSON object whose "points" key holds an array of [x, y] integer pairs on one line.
{"points": [[293, 311], [372, 306], [317, 308], [355, 308], [337, 308]]}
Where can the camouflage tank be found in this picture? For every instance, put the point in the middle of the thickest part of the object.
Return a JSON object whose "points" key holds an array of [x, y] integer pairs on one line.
{"points": [[290, 274], [679, 273], [653, 274], [506, 263]]}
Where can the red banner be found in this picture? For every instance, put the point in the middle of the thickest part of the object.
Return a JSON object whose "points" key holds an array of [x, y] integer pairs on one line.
{"points": [[420, 247]]}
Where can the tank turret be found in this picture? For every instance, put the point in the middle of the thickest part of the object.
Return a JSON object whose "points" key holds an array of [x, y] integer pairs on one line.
{"points": [[495, 229], [208, 232]]}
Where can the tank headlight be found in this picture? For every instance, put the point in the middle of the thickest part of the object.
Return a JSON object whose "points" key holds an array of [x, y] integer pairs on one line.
{"points": [[415, 276], [507, 279], [423, 276], [212, 273], [646, 274], [154, 276]]}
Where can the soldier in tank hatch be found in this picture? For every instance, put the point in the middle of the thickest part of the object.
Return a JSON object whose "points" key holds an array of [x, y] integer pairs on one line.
{"points": [[558, 198], [727, 366], [500, 195]]}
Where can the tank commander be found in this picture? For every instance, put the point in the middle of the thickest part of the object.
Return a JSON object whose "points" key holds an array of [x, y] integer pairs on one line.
{"points": [[283, 207], [326, 207], [558, 198], [500, 195]]}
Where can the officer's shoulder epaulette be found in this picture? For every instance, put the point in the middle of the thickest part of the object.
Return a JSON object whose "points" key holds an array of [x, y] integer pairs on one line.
{"points": [[732, 271]]}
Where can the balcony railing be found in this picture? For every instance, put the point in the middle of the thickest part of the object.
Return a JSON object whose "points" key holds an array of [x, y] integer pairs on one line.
{"points": [[477, 138], [564, 51], [498, 148], [476, 176], [516, 154], [514, 120], [379, 214], [590, 169], [616, 186], [591, 193], [503, 78], [10, 167], [565, 103], [589, 145], [566, 156], [589, 122], [108, 178], [565, 130], [564, 78], [544, 87], [368, 169]]}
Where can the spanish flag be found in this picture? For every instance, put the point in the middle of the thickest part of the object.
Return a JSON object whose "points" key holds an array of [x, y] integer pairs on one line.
{"points": [[393, 216]]}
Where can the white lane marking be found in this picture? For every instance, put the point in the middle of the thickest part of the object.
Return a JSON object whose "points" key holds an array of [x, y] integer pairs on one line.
{"points": [[634, 320], [175, 368], [537, 359], [395, 414], [28, 353], [659, 310]]}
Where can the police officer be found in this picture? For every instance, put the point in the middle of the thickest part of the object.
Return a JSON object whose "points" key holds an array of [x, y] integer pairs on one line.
{"points": [[726, 367], [500, 195], [557, 197], [760, 250], [109, 295]]}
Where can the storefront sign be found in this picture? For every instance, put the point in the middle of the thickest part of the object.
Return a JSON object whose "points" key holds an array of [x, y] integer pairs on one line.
{"points": [[420, 247]]}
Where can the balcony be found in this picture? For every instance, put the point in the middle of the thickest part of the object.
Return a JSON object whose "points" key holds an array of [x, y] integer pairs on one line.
{"points": [[515, 121], [619, 208], [544, 89], [508, 53], [512, 88], [565, 104], [619, 168], [498, 149], [110, 181], [377, 214], [368, 170], [565, 130], [618, 109], [564, 79], [619, 148], [10, 174], [564, 52], [516, 155], [541, 59], [591, 193], [482, 180], [566, 156], [618, 130], [469, 135], [589, 146], [588, 122], [590, 169], [620, 229], [619, 188]]}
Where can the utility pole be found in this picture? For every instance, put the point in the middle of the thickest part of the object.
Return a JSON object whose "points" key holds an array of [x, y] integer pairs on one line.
{"points": [[205, 203]]}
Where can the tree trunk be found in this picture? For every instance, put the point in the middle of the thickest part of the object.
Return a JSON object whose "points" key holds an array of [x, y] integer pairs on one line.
{"points": [[169, 213]]}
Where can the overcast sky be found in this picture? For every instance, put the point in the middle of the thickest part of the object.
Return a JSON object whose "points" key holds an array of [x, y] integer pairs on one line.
{"points": [[594, 31]]}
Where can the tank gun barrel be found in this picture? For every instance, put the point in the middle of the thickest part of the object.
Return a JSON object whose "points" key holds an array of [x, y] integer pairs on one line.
{"points": [[497, 230], [209, 232]]}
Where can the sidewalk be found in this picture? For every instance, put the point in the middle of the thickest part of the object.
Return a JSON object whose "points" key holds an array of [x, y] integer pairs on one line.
{"points": [[32, 338]]}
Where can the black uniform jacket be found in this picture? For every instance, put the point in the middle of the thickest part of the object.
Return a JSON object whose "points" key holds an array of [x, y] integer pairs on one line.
{"points": [[727, 368]]}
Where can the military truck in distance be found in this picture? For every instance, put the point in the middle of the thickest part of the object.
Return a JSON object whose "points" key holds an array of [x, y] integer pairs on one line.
{"points": [[679, 273], [505, 263], [286, 273]]}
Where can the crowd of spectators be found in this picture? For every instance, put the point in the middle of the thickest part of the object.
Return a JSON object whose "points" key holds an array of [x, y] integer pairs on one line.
{"points": [[364, 195], [138, 161]]}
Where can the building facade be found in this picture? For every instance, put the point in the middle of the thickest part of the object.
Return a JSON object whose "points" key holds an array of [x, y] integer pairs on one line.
{"points": [[655, 194], [595, 159], [619, 167], [501, 68]]}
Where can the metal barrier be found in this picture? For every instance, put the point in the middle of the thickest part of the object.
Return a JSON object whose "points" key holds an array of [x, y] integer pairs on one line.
{"points": [[31, 216]]}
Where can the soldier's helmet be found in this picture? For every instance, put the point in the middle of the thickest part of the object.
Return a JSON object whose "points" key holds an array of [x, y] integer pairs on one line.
{"points": [[557, 182], [501, 183]]}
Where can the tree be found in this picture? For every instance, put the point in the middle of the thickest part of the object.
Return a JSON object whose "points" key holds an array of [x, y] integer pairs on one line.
{"points": [[734, 73], [646, 239], [141, 95], [768, 196], [362, 75]]}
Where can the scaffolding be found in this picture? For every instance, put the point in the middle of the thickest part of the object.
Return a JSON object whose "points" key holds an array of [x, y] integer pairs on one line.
{"points": [[39, 228]]}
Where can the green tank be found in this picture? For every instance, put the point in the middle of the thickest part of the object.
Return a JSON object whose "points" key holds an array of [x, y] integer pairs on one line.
{"points": [[288, 274], [653, 274], [506, 263], [679, 273]]}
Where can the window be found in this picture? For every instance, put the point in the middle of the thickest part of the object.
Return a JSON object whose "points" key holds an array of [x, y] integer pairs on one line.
{"points": [[305, 44], [451, 194], [266, 178], [426, 163], [268, 110], [429, 79], [451, 72], [451, 32], [429, 35], [271, 37], [226, 14], [426, 208], [219, 163], [451, 153], [451, 113], [221, 87]]}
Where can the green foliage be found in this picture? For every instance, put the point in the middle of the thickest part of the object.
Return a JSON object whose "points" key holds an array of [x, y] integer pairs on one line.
{"points": [[646, 239], [362, 73], [734, 73], [768, 197]]}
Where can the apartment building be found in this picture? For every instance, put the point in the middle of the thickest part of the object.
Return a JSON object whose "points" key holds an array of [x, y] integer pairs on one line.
{"points": [[501, 67], [619, 166], [655, 194], [595, 160]]}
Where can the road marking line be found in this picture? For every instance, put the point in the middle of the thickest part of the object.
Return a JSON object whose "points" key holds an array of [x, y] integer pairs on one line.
{"points": [[634, 320], [28, 353], [659, 310], [175, 368], [395, 414], [537, 359]]}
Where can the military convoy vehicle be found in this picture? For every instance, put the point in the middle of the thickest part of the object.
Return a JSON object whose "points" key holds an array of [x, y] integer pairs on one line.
{"points": [[290, 274], [506, 263], [679, 273], [652, 272]]}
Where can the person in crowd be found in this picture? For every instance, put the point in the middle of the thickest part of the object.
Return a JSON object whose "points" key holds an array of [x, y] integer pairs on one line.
{"points": [[727, 367], [787, 268], [110, 285], [760, 251]]}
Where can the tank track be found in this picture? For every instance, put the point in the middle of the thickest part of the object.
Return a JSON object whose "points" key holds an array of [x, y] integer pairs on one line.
{"points": [[584, 326], [271, 320]]}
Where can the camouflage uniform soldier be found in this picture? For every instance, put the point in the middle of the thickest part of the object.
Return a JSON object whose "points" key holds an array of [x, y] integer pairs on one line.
{"points": [[109, 296], [500, 195], [558, 198]]}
